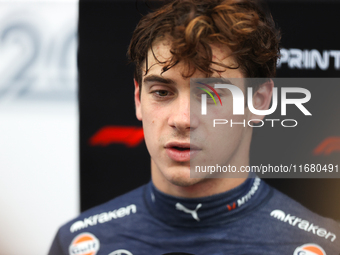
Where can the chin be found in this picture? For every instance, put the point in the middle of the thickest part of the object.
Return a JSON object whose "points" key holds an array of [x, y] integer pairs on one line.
{"points": [[185, 182], [183, 179], [177, 175]]}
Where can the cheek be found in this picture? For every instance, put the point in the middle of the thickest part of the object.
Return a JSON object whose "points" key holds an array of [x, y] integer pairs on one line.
{"points": [[150, 134], [152, 114], [223, 134], [224, 111], [154, 122]]}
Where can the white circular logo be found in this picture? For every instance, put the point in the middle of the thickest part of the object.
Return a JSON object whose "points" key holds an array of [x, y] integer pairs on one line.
{"points": [[121, 252], [84, 244], [309, 249]]}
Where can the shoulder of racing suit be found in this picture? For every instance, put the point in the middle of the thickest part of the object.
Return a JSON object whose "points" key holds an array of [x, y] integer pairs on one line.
{"points": [[130, 225]]}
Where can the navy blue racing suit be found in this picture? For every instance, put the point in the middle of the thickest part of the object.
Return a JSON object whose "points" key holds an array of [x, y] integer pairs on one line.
{"points": [[252, 218]]}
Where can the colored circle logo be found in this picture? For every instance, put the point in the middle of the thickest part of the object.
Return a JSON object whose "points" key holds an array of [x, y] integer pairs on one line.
{"points": [[84, 244], [309, 249]]}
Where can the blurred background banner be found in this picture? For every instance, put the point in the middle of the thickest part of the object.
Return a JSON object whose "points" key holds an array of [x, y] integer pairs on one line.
{"points": [[39, 172]]}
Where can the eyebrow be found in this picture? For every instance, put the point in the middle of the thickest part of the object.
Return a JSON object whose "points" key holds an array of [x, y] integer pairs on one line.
{"points": [[157, 78]]}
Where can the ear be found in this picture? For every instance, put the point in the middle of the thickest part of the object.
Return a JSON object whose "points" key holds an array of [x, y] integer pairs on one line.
{"points": [[138, 100], [262, 98]]}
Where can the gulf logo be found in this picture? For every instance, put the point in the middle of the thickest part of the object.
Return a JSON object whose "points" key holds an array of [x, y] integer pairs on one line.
{"points": [[309, 249], [84, 244]]}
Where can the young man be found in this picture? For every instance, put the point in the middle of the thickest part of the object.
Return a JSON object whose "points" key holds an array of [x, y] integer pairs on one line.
{"points": [[187, 39]]}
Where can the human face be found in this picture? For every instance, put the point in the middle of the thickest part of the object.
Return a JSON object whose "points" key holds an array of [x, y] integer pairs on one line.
{"points": [[163, 105]]}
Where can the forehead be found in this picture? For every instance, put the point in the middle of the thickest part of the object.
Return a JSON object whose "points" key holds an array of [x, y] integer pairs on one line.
{"points": [[160, 55]]}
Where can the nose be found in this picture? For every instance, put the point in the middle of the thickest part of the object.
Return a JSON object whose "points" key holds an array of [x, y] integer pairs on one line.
{"points": [[180, 118]]}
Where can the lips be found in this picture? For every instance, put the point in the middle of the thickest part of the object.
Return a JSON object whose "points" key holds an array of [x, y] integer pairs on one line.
{"points": [[181, 152]]}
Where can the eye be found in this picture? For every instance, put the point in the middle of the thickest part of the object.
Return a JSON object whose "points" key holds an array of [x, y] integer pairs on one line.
{"points": [[162, 93]]}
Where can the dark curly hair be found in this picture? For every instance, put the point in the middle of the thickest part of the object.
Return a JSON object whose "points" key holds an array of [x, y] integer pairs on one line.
{"points": [[193, 25]]}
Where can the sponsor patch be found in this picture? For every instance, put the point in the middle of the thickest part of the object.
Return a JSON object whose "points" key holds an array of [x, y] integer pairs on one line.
{"points": [[309, 249], [303, 224], [84, 244], [251, 192], [103, 217], [246, 197]]}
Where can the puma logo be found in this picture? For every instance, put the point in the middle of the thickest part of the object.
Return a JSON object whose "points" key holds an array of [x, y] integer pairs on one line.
{"points": [[186, 210]]}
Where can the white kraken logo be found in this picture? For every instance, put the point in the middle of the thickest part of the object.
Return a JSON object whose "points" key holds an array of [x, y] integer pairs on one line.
{"points": [[278, 214], [303, 224], [186, 210], [103, 217]]}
